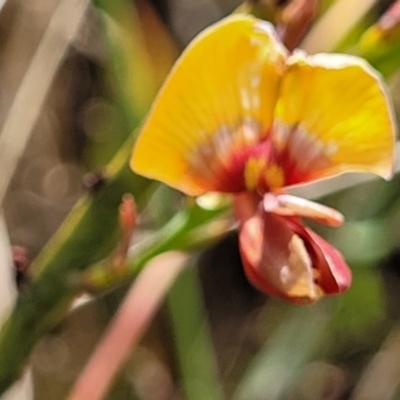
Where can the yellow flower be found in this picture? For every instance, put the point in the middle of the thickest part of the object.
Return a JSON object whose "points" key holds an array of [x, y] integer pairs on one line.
{"points": [[239, 114]]}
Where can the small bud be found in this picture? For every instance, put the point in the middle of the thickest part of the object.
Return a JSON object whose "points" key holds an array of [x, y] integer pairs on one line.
{"points": [[128, 219]]}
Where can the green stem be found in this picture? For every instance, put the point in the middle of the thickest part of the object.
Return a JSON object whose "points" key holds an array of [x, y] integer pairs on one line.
{"points": [[88, 235], [183, 232]]}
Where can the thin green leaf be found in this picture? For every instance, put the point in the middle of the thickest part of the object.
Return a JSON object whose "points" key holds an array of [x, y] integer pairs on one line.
{"points": [[192, 340]]}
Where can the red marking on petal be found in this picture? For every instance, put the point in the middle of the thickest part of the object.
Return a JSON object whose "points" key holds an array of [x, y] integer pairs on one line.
{"points": [[231, 177], [302, 156]]}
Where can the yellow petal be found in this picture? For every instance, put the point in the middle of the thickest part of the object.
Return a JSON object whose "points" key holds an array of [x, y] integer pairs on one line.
{"points": [[220, 96], [333, 116]]}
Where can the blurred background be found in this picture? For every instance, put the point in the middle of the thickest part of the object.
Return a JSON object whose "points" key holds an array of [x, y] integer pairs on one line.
{"points": [[75, 112]]}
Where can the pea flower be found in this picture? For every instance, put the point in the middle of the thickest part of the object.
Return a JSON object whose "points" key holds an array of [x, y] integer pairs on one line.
{"points": [[238, 114]]}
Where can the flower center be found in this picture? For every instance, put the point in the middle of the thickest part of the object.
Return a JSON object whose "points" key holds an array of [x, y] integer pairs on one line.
{"points": [[242, 158], [262, 175]]}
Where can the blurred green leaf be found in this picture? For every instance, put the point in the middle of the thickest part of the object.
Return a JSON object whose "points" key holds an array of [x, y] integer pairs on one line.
{"points": [[380, 44], [350, 41], [361, 306], [142, 53], [280, 361], [196, 357]]}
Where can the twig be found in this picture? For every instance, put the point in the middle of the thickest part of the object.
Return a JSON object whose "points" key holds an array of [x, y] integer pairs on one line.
{"points": [[133, 317], [295, 20], [35, 85]]}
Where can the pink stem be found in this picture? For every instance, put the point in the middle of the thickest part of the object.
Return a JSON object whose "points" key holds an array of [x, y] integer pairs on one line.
{"points": [[133, 317]]}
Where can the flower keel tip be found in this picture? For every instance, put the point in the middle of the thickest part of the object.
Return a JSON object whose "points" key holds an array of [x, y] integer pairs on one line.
{"points": [[283, 258]]}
